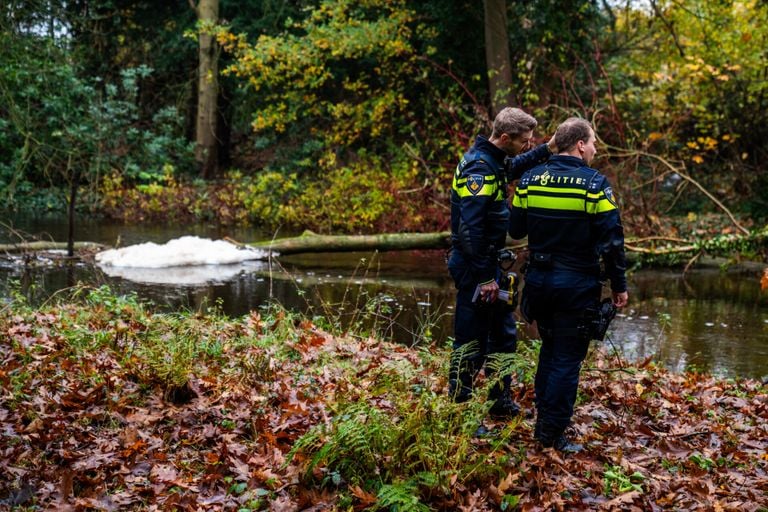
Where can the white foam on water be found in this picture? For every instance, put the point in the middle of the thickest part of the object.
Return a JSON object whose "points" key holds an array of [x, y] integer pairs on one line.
{"points": [[179, 252], [190, 275], [188, 260]]}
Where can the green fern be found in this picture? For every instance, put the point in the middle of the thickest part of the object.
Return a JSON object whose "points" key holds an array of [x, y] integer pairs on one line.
{"points": [[405, 447], [352, 446], [400, 497], [521, 365], [462, 355], [310, 443]]}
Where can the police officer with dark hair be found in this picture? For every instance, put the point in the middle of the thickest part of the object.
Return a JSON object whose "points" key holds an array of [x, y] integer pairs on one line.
{"points": [[569, 214], [479, 219]]}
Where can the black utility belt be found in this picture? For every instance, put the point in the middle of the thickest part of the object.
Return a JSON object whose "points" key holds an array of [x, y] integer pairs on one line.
{"points": [[545, 261], [492, 249]]}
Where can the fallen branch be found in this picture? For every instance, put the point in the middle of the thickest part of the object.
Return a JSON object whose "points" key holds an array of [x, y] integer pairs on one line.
{"points": [[717, 246], [311, 242], [661, 251], [657, 238], [23, 247], [691, 262], [679, 172]]}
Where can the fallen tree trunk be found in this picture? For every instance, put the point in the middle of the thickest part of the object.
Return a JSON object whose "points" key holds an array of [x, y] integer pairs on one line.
{"points": [[720, 245], [311, 242], [23, 247], [667, 251], [651, 250]]}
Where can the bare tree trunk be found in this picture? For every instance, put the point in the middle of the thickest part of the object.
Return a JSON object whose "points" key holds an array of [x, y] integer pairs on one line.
{"points": [[497, 54], [206, 149]]}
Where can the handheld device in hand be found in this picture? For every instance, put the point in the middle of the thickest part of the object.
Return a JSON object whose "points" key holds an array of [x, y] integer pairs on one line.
{"points": [[503, 295]]}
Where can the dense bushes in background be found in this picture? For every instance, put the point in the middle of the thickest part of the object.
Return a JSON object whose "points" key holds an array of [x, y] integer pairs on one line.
{"points": [[349, 199], [354, 112], [57, 123]]}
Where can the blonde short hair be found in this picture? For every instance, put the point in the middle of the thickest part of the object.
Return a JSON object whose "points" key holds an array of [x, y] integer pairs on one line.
{"points": [[513, 121]]}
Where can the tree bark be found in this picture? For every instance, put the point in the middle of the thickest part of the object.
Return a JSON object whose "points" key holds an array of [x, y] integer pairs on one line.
{"points": [[497, 54], [718, 246], [206, 148], [310, 242]]}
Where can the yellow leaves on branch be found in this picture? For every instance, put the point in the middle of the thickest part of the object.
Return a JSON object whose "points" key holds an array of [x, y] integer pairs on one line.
{"points": [[295, 66], [227, 40], [697, 69], [706, 144]]}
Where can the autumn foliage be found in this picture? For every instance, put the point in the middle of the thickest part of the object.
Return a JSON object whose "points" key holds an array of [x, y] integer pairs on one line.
{"points": [[110, 404]]}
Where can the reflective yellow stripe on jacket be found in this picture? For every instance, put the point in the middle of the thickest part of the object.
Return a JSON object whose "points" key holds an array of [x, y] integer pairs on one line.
{"points": [[489, 188], [569, 199]]}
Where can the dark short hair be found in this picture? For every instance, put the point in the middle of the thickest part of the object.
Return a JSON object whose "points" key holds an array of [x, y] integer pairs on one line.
{"points": [[513, 121], [571, 131]]}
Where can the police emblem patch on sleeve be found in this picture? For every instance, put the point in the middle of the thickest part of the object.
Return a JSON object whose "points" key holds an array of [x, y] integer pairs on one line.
{"points": [[475, 183], [609, 195]]}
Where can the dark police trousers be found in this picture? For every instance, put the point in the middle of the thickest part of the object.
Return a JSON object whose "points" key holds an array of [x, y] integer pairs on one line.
{"points": [[492, 325], [556, 299]]}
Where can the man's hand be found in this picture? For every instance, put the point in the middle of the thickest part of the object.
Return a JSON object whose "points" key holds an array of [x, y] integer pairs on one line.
{"points": [[552, 146], [489, 291], [620, 299]]}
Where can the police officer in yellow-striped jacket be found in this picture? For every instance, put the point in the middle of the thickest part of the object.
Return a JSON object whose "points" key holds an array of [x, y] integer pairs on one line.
{"points": [[570, 216], [479, 219]]}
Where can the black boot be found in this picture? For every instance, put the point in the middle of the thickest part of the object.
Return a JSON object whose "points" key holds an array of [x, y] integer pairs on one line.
{"points": [[459, 392], [565, 445], [537, 429], [460, 378], [503, 406], [550, 437]]}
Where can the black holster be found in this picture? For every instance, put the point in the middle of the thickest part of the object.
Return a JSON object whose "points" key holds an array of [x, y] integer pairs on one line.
{"points": [[598, 319]]}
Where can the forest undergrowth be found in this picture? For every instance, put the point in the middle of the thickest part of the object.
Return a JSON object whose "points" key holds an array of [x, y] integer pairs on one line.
{"points": [[109, 404]]}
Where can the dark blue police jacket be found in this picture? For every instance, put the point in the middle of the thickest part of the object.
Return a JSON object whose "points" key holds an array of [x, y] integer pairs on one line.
{"points": [[570, 216], [479, 209]]}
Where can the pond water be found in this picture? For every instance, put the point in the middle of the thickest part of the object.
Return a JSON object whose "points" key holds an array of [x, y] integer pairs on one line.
{"points": [[711, 320]]}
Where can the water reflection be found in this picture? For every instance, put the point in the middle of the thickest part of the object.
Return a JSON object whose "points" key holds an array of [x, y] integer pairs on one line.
{"points": [[712, 320], [405, 299]]}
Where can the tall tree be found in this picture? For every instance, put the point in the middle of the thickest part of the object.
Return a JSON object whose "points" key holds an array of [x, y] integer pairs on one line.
{"points": [[206, 150], [497, 53]]}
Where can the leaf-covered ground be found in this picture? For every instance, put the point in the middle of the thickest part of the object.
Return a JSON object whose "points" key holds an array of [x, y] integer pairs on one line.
{"points": [[108, 405]]}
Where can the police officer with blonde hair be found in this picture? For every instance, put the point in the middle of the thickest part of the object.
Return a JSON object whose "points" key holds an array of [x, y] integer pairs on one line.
{"points": [[479, 219], [572, 221]]}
